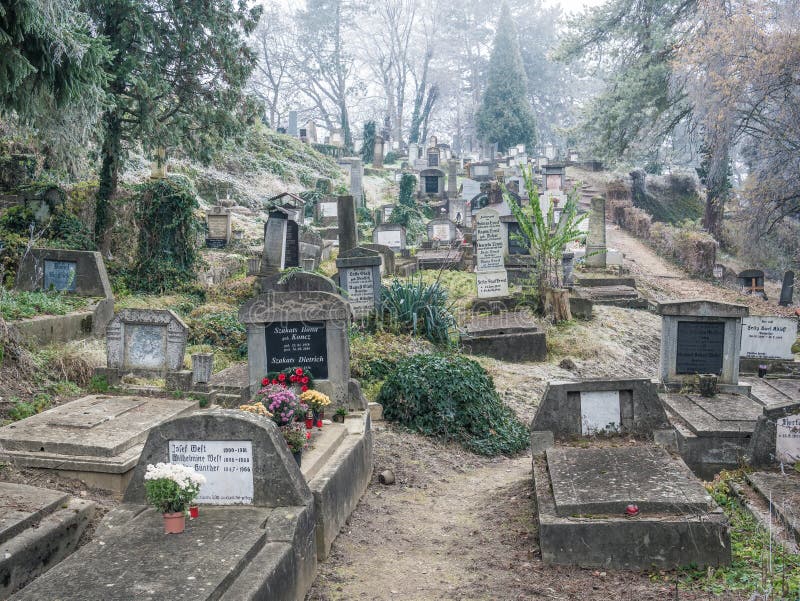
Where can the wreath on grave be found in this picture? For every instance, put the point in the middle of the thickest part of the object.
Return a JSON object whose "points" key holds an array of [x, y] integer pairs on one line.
{"points": [[295, 376]]}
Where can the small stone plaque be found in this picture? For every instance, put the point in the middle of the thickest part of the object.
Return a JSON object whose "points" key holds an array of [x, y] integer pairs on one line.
{"points": [[391, 238], [699, 347], [218, 226], [226, 464], [215, 243], [765, 337], [492, 284], [145, 346], [328, 209], [297, 344], [441, 231], [360, 290], [787, 439], [60, 275], [600, 412]]}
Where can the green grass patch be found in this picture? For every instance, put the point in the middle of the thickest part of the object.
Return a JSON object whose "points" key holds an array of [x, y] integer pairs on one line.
{"points": [[749, 571], [23, 305]]}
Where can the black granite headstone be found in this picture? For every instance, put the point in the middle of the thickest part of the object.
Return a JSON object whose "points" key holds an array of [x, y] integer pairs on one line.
{"points": [[515, 245], [292, 256], [699, 347], [297, 344], [787, 289], [215, 243]]}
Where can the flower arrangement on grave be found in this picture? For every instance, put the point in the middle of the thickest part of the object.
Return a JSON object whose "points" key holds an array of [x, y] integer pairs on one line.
{"points": [[171, 488], [256, 408], [317, 401], [283, 404], [296, 376]]}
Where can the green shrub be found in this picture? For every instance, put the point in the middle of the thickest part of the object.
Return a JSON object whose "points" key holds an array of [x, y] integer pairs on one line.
{"points": [[22, 305], [221, 330], [408, 184], [98, 384], [22, 409], [420, 308], [390, 158], [374, 356], [452, 397]]}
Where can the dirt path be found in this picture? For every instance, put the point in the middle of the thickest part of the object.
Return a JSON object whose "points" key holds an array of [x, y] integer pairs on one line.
{"points": [[661, 280], [458, 527]]}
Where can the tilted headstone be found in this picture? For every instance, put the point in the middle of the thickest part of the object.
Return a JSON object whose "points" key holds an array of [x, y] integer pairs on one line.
{"points": [[281, 242], [348, 226], [300, 329], [218, 220], [491, 276], [768, 337], [596, 237], [360, 279], [787, 289], [700, 337], [392, 235]]}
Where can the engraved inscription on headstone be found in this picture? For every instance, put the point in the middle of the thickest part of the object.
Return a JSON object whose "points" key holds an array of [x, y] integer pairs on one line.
{"points": [[787, 439], [492, 283], [218, 226], [766, 337], [441, 231], [60, 275], [145, 346], [226, 464], [360, 290], [600, 412], [489, 240], [297, 344], [699, 348]]}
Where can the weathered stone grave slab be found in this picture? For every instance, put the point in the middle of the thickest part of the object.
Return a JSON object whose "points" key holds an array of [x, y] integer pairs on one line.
{"points": [[264, 547], [440, 259], [360, 279], [218, 221], [582, 520], [38, 529], [508, 336], [582, 492], [783, 491], [96, 439]]}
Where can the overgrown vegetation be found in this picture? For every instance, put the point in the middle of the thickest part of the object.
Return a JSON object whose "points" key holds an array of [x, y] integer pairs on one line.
{"points": [[757, 566], [166, 255], [452, 398], [22, 305], [419, 308], [219, 329]]}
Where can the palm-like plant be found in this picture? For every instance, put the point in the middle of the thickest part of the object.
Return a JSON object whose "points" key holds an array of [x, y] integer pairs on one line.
{"points": [[545, 238]]}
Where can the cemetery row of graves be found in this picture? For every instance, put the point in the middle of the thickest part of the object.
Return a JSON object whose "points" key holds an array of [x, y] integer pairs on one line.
{"points": [[261, 461]]}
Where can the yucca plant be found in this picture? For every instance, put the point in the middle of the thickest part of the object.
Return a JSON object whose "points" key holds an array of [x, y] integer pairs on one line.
{"points": [[545, 239], [423, 309]]}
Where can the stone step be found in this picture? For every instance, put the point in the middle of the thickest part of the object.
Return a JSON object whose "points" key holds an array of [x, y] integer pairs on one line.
{"points": [[325, 443]]}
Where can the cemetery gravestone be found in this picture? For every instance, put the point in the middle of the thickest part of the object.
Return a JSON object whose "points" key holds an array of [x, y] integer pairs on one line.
{"points": [[301, 329], [281, 242], [392, 235], [787, 289], [327, 212], [360, 278], [218, 220], [78, 272], [700, 337], [452, 179], [348, 226], [492, 279], [441, 229], [752, 282], [787, 439], [377, 155], [387, 257], [596, 236], [767, 337]]}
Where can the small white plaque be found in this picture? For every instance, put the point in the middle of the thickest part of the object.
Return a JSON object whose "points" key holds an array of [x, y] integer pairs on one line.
{"points": [[765, 337], [787, 439], [328, 209], [600, 412], [226, 464], [492, 284], [391, 238]]}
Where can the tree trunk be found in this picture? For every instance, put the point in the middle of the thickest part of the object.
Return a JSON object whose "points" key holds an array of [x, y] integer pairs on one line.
{"points": [[556, 304], [109, 180]]}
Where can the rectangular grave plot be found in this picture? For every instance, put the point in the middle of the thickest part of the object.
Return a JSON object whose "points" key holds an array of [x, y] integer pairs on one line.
{"points": [[60, 275], [226, 464], [145, 346], [297, 344], [699, 347]]}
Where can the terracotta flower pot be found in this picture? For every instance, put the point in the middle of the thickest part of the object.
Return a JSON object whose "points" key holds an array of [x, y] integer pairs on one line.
{"points": [[174, 523], [194, 512]]}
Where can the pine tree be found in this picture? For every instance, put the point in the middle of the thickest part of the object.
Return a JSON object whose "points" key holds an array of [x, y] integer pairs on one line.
{"points": [[505, 116]]}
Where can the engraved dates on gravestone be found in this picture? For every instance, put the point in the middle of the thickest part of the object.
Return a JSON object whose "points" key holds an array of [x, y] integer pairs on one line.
{"points": [[60, 275], [226, 464], [787, 439], [360, 290], [766, 337], [145, 346], [297, 344], [699, 347], [492, 284]]}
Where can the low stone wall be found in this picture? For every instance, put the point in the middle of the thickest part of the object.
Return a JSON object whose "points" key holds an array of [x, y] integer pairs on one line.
{"points": [[49, 329], [695, 251]]}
